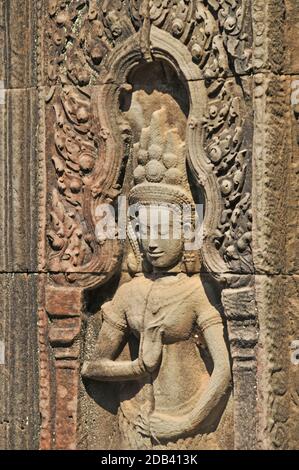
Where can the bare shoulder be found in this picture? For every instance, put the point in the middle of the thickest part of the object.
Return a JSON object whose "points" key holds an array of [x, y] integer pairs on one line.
{"points": [[131, 284], [128, 288], [203, 303], [197, 286]]}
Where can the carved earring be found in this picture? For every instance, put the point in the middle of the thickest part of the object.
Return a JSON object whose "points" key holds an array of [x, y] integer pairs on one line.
{"points": [[188, 262], [132, 264], [191, 262], [134, 258]]}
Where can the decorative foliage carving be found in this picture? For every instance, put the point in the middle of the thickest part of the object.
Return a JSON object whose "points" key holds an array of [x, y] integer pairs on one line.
{"points": [[83, 179], [231, 15], [91, 47], [81, 36], [66, 238], [83, 32], [215, 45], [74, 161], [224, 136]]}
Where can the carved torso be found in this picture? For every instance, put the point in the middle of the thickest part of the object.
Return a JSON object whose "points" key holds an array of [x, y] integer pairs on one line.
{"points": [[173, 303]]}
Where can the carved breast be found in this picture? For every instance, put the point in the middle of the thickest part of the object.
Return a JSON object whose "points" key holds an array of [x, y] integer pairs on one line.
{"points": [[167, 304], [170, 307], [164, 303]]}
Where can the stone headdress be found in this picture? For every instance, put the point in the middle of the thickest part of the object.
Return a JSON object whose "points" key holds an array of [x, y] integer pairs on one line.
{"points": [[160, 174]]}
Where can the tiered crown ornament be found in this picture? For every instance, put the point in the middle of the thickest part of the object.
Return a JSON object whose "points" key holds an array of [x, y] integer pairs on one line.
{"points": [[160, 174], [160, 178]]}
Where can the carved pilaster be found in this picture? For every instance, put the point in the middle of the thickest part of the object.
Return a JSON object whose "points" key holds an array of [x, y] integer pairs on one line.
{"points": [[240, 311], [19, 395], [64, 309], [275, 209]]}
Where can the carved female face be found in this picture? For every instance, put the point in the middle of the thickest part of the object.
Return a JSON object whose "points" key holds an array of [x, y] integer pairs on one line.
{"points": [[160, 236]]}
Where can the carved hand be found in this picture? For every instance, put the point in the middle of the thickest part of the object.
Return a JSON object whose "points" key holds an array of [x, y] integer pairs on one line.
{"points": [[142, 424], [163, 426], [151, 348], [104, 366]]}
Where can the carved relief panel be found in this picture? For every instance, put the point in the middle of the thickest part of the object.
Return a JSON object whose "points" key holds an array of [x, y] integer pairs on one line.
{"points": [[151, 101]]}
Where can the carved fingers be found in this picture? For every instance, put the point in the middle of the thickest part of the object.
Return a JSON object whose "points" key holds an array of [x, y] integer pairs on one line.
{"points": [[142, 424], [86, 369]]}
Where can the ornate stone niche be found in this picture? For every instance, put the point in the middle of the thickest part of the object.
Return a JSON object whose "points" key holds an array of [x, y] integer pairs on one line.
{"points": [[186, 100], [151, 101]]}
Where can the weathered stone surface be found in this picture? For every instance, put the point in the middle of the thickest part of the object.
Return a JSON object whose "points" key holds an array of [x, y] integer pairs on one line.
{"points": [[241, 312], [293, 183], [173, 101], [19, 175], [19, 369], [2, 38], [272, 149], [277, 303], [19, 405], [291, 37], [19, 21]]}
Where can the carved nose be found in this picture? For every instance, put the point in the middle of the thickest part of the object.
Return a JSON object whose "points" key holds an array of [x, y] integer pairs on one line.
{"points": [[152, 245]]}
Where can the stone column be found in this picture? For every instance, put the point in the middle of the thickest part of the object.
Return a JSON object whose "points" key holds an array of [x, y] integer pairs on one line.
{"points": [[276, 212], [19, 205], [240, 311], [64, 308]]}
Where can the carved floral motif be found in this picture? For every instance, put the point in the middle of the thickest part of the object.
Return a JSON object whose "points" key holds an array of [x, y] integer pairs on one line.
{"points": [[81, 36], [224, 147], [83, 179], [74, 161], [89, 144], [81, 33]]}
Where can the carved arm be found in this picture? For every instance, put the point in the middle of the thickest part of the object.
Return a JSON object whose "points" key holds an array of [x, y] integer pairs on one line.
{"points": [[167, 427], [104, 367]]}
